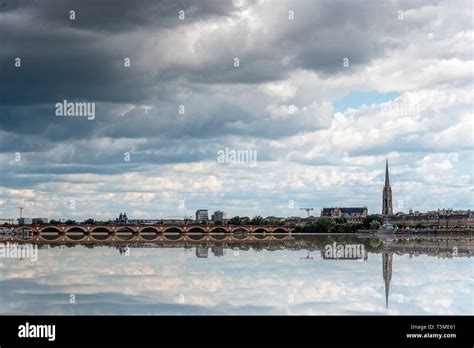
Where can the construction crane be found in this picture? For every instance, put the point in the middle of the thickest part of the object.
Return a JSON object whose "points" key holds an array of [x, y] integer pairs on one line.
{"points": [[21, 211], [307, 210]]}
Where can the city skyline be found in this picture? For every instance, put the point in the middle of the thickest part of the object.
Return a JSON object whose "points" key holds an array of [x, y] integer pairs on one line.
{"points": [[241, 106], [203, 214]]}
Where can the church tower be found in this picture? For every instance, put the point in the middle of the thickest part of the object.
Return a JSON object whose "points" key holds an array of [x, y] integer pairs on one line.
{"points": [[387, 208]]}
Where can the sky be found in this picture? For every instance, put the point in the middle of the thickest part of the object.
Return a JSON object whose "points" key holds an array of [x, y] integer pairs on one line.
{"points": [[322, 92]]}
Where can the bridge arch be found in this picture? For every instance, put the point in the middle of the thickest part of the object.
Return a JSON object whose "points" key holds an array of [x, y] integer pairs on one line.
{"points": [[101, 233], [75, 228], [173, 233], [50, 229], [279, 233], [239, 229], [240, 233], [173, 229], [260, 230], [149, 229], [218, 229], [196, 236], [75, 233], [125, 233], [218, 236], [174, 236], [50, 233], [149, 233], [196, 229], [101, 229]]}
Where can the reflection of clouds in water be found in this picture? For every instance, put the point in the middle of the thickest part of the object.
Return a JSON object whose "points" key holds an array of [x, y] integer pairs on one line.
{"points": [[151, 281]]}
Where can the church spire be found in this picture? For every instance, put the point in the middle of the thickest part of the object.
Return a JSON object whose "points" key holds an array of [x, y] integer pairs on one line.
{"points": [[387, 178], [387, 208]]}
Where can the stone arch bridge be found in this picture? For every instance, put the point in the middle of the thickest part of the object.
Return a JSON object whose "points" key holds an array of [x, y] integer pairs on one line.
{"points": [[147, 233]]}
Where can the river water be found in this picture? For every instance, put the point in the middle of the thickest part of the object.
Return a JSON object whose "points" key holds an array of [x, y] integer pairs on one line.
{"points": [[308, 275]]}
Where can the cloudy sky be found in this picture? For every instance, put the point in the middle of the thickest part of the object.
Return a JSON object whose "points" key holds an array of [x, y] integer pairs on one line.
{"points": [[322, 91]]}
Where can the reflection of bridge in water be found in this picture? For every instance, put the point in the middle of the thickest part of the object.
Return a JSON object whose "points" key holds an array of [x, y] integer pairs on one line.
{"points": [[216, 239], [106, 234]]}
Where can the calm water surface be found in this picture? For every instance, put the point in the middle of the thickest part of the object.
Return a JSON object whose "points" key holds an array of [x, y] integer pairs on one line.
{"points": [[372, 275]]}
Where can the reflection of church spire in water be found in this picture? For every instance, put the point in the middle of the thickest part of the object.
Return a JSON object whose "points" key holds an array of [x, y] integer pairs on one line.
{"points": [[387, 259]]}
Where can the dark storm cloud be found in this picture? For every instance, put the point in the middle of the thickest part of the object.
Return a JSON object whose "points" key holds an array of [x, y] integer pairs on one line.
{"points": [[119, 15], [82, 60], [63, 58]]}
